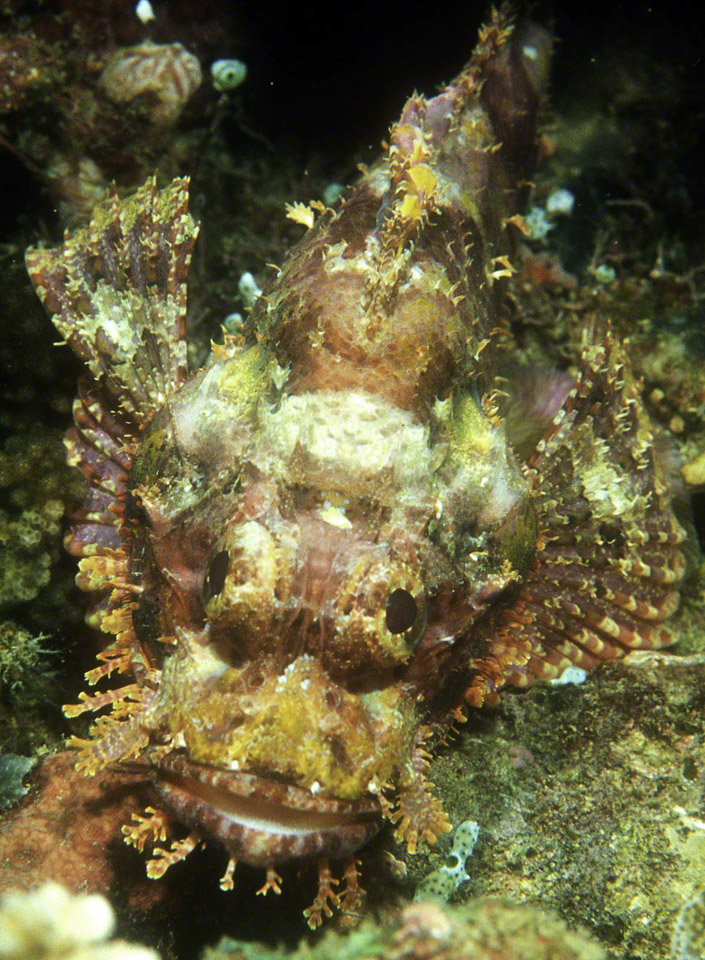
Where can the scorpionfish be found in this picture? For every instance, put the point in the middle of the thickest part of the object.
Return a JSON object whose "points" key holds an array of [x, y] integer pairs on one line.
{"points": [[332, 541]]}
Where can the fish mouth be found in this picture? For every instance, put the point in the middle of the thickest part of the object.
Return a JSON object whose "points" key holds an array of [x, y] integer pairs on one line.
{"points": [[262, 821]]}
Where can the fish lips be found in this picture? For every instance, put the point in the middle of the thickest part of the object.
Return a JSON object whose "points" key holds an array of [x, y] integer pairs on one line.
{"points": [[260, 821]]}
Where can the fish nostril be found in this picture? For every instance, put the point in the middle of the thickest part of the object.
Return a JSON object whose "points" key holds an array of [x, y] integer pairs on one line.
{"points": [[217, 572], [331, 699]]}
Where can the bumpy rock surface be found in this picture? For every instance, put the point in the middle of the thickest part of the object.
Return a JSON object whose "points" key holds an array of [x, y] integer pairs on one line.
{"points": [[590, 800]]}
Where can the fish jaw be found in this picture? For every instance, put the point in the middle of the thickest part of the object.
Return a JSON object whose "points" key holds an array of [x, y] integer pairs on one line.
{"points": [[263, 822]]}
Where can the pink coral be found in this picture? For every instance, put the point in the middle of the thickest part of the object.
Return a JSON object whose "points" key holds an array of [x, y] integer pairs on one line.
{"points": [[166, 73]]}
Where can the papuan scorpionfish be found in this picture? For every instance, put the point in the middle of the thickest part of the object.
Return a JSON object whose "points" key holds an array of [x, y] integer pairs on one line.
{"points": [[330, 543]]}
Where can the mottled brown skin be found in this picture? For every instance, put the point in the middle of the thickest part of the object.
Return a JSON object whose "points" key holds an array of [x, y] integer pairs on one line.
{"points": [[316, 549]]}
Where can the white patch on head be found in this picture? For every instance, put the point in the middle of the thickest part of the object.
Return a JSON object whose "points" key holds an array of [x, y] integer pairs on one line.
{"points": [[346, 440]]}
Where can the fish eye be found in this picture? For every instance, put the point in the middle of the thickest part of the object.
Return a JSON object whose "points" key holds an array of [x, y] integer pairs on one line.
{"points": [[401, 611], [217, 572]]}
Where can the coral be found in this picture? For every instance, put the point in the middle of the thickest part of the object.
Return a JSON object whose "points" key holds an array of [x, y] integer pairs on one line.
{"points": [[442, 883], [36, 611], [479, 930], [35, 483], [166, 74], [50, 923], [82, 103]]}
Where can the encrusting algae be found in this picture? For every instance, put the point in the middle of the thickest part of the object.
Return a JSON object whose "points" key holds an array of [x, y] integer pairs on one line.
{"points": [[327, 546]]}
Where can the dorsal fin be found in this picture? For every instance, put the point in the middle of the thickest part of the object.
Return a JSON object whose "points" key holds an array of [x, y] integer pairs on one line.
{"points": [[116, 290]]}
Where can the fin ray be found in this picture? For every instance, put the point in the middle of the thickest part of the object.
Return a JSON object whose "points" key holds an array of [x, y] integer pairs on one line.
{"points": [[604, 577], [117, 293]]}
